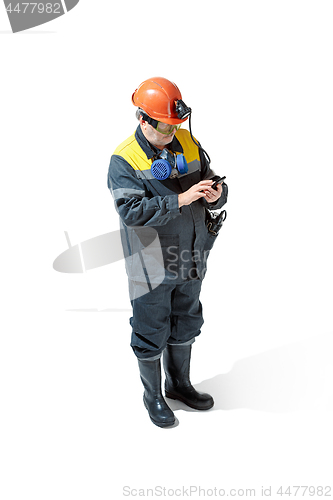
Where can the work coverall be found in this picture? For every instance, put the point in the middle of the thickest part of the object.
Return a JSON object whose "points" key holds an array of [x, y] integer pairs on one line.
{"points": [[166, 309]]}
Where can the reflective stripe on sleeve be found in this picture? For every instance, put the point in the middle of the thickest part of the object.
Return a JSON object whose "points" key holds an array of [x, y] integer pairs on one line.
{"points": [[127, 193]]}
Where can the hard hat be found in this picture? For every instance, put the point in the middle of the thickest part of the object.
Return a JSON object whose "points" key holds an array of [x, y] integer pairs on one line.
{"points": [[158, 97]]}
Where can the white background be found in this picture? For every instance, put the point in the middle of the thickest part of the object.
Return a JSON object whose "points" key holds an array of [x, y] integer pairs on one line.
{"points": [[258, 76]]}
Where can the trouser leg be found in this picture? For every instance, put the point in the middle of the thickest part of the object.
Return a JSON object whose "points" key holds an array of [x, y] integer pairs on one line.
{"points": [[186, 313], [151, 322], [168, 314]]}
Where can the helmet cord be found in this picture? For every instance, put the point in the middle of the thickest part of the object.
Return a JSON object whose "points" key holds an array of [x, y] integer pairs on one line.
{"points": [[198, 143]]}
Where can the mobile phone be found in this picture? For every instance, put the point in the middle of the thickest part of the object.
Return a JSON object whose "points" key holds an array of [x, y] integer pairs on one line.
{"points": [[218, 181]]}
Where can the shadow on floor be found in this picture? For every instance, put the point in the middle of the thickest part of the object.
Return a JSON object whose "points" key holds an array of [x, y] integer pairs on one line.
{"points": [[295, 377]]}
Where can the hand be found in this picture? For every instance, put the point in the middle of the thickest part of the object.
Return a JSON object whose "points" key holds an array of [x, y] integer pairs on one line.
{"points": [[195, 192], [213, 194]]}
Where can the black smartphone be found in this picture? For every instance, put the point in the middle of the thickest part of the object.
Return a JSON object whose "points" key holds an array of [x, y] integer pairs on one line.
{"points": [[218, 181]]}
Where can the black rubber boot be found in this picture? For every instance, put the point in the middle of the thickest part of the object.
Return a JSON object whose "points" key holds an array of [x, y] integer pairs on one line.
{"points": [[159, 412], [176, 360]]}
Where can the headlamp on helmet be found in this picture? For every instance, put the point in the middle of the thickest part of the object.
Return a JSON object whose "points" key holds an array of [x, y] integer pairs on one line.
{"points": [[182, 110]]}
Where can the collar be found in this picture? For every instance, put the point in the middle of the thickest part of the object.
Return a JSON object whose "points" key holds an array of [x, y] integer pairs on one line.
{"points": [[151, 150]]}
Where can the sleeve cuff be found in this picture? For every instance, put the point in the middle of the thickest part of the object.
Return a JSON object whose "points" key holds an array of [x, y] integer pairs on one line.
{"points": [[173, 205]]}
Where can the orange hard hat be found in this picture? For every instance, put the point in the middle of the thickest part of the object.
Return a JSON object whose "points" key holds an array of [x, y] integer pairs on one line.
{"points": [[158, 97]]}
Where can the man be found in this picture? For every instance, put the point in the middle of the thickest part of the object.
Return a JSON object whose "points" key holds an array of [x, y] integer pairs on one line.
{"points": [[160, 179]]}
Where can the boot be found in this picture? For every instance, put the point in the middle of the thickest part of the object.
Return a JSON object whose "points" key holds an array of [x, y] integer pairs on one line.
{"points": [[176, 360], [159, 412]]}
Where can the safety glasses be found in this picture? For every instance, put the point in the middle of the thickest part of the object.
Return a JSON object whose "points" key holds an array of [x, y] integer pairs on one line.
{"points": [[161, 127], [166, 128]]}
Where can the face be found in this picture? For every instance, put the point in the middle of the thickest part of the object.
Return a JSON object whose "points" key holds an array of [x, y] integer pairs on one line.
{"points": [[155, 138]]}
